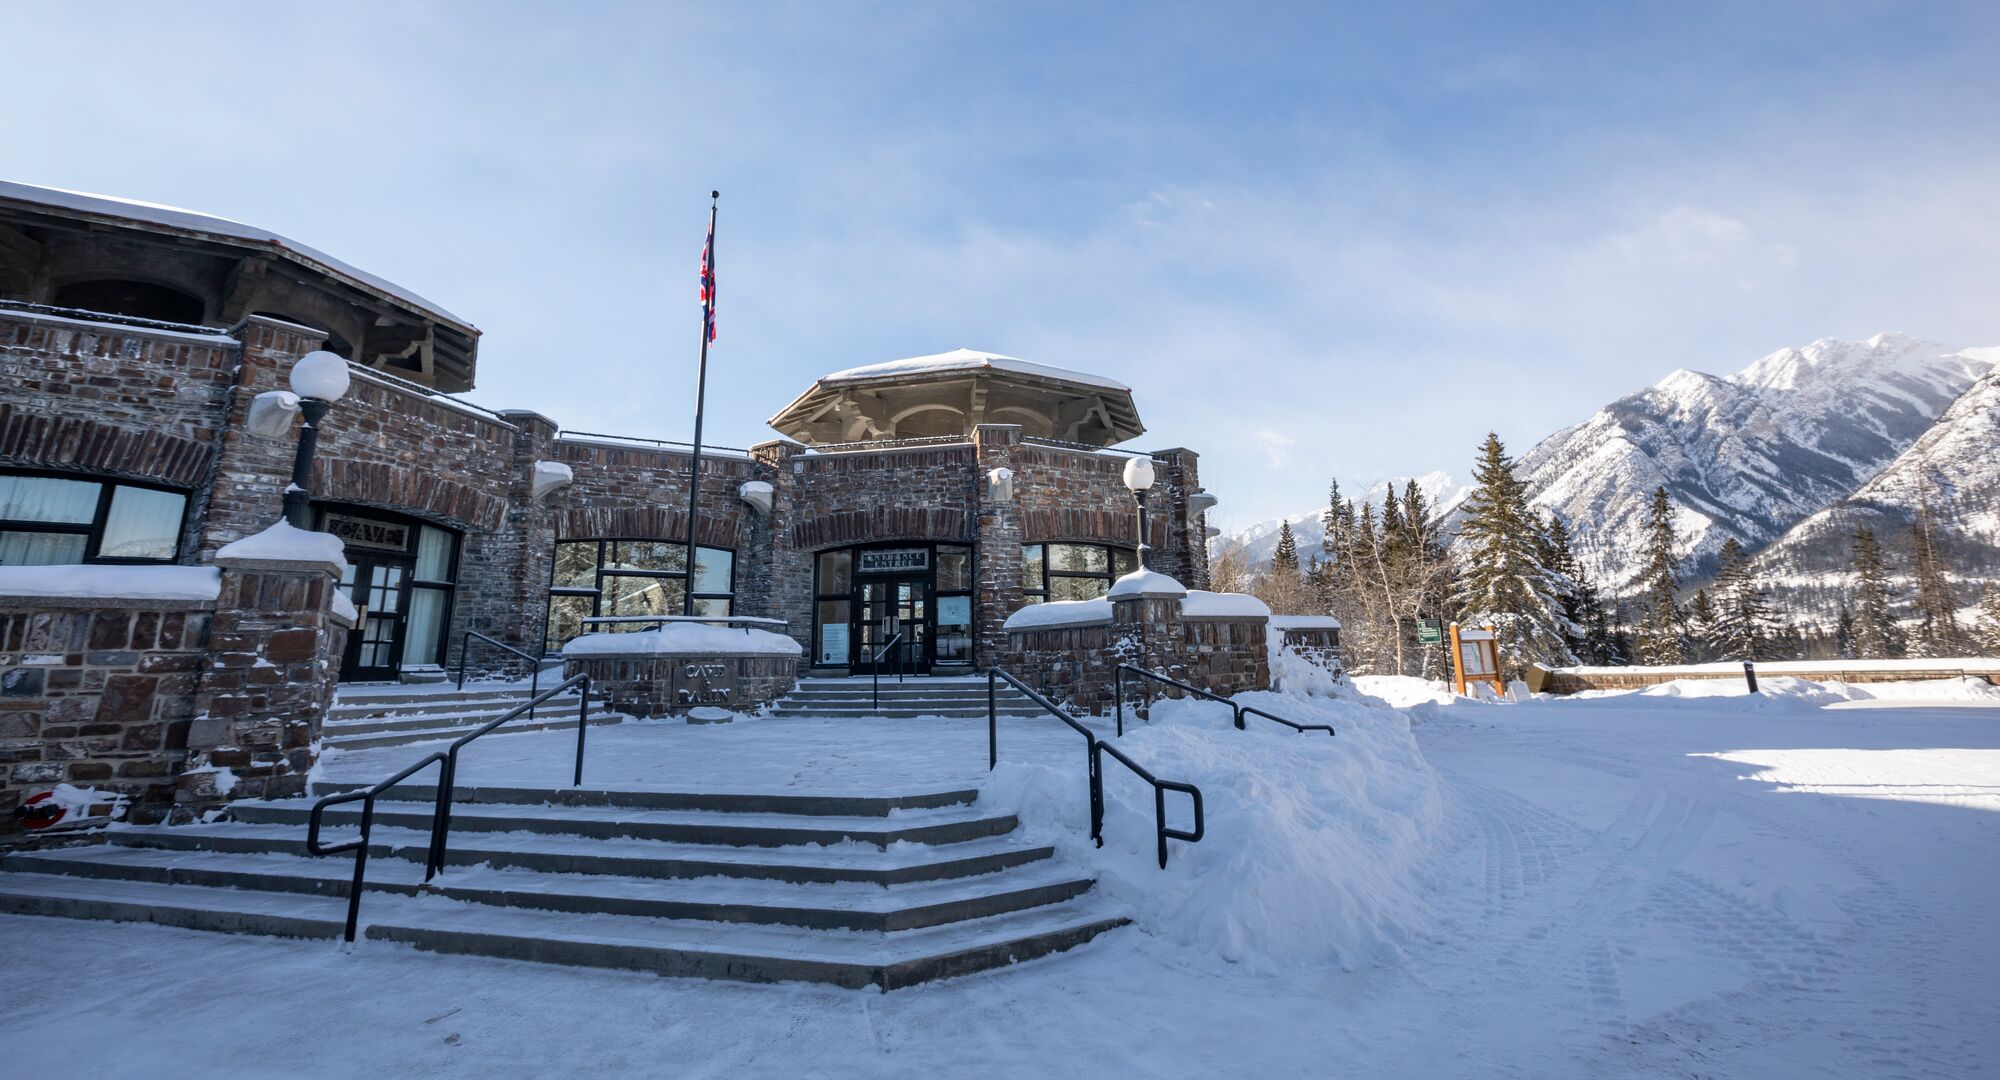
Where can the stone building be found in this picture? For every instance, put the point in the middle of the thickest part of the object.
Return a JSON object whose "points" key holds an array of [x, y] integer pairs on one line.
{"points": [[930, 497]]}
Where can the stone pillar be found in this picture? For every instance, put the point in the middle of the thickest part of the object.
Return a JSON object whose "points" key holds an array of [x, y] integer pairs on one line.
{"points": [[273, 657], [997, 546], [779, 573], [1184, 550], [521, 550], [247, 484]]}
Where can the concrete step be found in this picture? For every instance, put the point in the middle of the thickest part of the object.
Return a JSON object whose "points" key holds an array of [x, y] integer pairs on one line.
{"points": [[851, 958], [750, 802], [337, 741], [813, 712], [350, 694], [560, 854], [444, 707], [935, 826], [429, 721], [833, 906]]}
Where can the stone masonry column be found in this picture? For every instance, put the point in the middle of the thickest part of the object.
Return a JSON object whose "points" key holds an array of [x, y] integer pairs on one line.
{"points": [[519, 554], [1185, 553], [997, 547], [781, 574], [273, 657]]}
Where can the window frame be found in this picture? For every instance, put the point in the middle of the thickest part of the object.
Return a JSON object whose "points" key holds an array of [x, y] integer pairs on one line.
{"points": [[595, 591], [1047, 573], [93, 531]]}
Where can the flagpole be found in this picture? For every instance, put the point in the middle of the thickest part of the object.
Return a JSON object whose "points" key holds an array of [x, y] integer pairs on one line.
{"points": [[700, 400]]}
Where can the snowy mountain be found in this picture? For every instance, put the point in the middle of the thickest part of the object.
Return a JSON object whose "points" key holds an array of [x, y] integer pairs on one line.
{"points": [[1259, 541], [1955, 466], [1750, 455]]}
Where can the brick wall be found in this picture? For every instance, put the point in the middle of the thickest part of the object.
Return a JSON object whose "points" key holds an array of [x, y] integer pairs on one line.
{"points": [[1075, 666], [97, 694]]}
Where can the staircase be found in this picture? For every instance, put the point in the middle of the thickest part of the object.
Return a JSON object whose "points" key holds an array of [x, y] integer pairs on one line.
{"points": [[925, 695], [369, 716], [882, 891]]}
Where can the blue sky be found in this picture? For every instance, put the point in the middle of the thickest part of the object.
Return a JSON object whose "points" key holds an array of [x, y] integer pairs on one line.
{"points": [[1318, 241]]}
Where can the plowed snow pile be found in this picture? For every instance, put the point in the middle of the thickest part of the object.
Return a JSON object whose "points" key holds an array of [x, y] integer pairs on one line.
{"points": [[1318, 850]]}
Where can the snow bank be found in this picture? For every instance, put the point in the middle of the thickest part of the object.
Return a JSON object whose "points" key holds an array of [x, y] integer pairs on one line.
{"points": [[1060, 613], [284, 542], [1318, 850], [684, 639], [1404, 691], [1200, 603], [1146, 583], [113, 582], [1787, 692]]}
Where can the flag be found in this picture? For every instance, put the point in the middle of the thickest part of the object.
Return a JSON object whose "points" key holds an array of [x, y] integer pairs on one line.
{"points": [[708, 281]]}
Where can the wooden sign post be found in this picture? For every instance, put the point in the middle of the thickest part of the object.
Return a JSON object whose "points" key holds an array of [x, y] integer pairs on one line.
{"points": [[1475, 657]]}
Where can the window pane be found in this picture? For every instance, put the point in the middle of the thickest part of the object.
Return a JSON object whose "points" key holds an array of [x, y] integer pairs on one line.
{"points": [[420, 637], [1077, 588], [954, 629], [640, 596], [954, 569], [712, 568], [45, 498], [434, 549], [142, 524], [566, 615], [836, 573], [833, 619], [647, 555], [40, 549], [1078, 557], [1123, 562], [713, 606], [1031, 567], [576, 565]]}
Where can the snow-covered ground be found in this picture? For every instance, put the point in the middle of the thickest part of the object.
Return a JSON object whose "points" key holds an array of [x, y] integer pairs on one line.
{"points": [[1691, 883]]}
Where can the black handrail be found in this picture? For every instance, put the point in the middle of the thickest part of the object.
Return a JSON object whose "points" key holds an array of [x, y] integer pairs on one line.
{"points": [[447, 760], [1238, 712], [534, 662], [1094, 746], [1160, 789], [875, 666]]}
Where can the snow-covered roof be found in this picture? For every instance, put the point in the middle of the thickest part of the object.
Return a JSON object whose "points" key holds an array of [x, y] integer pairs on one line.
{"points": [[969, 360], [1304, 622], [174, 217]]}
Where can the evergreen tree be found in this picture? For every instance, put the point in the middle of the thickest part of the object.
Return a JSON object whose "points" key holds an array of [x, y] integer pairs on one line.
{"points": [[1581, 603], [1285, 561], [1876, 636], [1704, 629], [1505, 582], [1743, 609], [1988, 629], [1937, 632], [1662, 625], [1843, 633]]}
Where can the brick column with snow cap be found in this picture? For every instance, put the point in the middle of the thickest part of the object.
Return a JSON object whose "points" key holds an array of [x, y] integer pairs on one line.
{"points": [[1146, 623], [275, 643]]}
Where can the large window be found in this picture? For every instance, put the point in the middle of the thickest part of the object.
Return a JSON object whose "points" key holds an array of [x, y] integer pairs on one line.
{"points": [[49, 520], [1072, 571], [597, 578]]}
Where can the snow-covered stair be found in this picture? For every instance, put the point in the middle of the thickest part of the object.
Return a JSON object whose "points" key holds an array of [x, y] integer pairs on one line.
{"points": [[930, 695], [368, 716], [880, 891]]}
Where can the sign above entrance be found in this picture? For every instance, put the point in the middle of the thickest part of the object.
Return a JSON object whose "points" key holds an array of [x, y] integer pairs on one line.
{"points": [[888, 562], [364, 533]]}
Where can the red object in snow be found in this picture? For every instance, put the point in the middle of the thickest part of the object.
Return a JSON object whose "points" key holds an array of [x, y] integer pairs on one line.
{"points": [[40, 811]]}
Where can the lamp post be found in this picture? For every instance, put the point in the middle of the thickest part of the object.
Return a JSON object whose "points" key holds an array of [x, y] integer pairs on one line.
{"points": [[1139, 478], [319, 379]]}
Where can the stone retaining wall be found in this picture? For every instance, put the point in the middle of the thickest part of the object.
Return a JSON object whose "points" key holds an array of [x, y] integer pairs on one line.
{"points": [[651, 685], [1075, 665], [1569, 680]]}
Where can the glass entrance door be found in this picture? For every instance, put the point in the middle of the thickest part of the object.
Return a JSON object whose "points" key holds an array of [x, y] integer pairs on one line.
{"points": [[888, 606], [378, 587]]}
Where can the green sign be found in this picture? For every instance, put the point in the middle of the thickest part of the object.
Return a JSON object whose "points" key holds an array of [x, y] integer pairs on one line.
{"points": [[1430, 631]]}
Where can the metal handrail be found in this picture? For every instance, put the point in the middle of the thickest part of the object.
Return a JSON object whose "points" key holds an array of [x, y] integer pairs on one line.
{"points": [[1237, 711], [1095, 747], [875, 666], [447, 760], [534, 662], [1160, 789]]}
